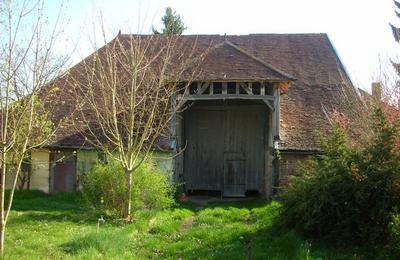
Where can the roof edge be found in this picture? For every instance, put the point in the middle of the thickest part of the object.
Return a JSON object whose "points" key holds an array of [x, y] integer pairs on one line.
{"points": [[298, 151], [339, 60], [269, 66]]}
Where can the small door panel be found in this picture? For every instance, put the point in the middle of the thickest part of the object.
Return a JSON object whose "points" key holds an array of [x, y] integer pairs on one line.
{"points": [[64, 171], [235, 178]]}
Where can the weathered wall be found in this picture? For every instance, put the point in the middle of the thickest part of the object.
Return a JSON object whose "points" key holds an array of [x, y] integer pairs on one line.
{"points": [[40, 170], [288, 166], [163, 161], [85, 160]]}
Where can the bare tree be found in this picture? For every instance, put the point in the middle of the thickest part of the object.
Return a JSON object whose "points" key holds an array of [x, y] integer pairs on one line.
{"points": [[26, 64], [126, 92], [41, 129]]}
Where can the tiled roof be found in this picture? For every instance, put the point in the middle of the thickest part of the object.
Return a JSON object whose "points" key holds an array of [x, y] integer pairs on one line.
{"points": [[320, 81], [228, 61]]}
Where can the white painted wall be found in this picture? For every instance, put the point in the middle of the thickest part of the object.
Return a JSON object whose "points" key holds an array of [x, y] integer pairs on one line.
{"points": [[40, 170]]}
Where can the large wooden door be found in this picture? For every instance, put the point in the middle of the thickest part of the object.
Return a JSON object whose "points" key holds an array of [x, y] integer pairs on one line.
{"points": [[204, 131], [243, 149], [224, 149], [64, 171]]}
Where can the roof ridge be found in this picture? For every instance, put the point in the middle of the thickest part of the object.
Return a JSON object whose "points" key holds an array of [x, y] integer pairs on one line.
{"points": [[234, 35], [269, 66]]}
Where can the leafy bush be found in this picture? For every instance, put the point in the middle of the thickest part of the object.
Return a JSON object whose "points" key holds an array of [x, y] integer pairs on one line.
{"points": [[345, 193], [394, 232], [152, 188], [105, 188]]}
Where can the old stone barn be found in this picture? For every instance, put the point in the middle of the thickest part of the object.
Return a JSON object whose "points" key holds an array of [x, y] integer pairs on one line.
{"points": [[252, 115]]}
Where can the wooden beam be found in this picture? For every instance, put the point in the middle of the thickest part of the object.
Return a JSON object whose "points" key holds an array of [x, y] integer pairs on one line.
{"points": [[276, 111], [227, 96], [177, 138], [246, 88], [262, 89], [201, 87], [274, 137], [268, 166], [270, 104], [178, 151], [224, 88]]}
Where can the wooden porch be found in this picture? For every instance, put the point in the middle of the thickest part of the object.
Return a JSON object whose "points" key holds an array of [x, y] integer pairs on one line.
{"points": [[225, 140]]}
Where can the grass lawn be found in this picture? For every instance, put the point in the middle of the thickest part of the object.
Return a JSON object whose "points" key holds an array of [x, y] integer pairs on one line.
{"points": [[61, 226]]}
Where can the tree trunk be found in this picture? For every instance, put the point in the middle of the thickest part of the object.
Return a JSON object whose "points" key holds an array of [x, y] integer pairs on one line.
{"points": [[28, 185], [2, 201], [129, 206], [21, 181], [2, 235]]}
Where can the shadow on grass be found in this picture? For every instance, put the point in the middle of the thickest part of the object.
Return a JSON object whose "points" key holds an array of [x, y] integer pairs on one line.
{"points": [[38, 206], [64, 216], [234, 230], [40, 201]]}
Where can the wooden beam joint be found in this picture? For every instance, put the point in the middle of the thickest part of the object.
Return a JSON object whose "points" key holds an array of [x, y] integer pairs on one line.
{"points": [[201, 87], [270, 104], [246, 87]]}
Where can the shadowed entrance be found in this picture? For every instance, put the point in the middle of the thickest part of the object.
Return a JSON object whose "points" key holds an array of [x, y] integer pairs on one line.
{"points": [[225, 147]]}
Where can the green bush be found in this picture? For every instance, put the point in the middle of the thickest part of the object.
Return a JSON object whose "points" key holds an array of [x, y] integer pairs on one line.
{"points": [[152, 188], [105, 188], [394, 232], [345, 193]]}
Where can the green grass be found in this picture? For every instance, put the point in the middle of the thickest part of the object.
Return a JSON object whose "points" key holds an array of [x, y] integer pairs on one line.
{"points": [[61, 226]]}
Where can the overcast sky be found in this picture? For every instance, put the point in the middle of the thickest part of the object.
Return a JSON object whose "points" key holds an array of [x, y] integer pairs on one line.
{"points": [[359, 29]]}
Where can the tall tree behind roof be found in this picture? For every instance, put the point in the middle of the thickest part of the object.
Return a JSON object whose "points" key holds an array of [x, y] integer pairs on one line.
{"points": [[396, 33], [394, 92], [396, 30], [172, 23]]}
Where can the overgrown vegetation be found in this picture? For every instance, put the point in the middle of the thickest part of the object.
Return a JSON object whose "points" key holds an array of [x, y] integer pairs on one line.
{"points": [[394, 233], [105, 188], [61, 226], [349, 194]]}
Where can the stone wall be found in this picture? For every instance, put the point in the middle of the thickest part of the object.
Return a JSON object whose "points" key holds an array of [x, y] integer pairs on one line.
{"points": [[288, 166]]}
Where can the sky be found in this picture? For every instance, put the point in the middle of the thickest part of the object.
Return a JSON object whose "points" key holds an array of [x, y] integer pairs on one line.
{"points": [[358, 29]]}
